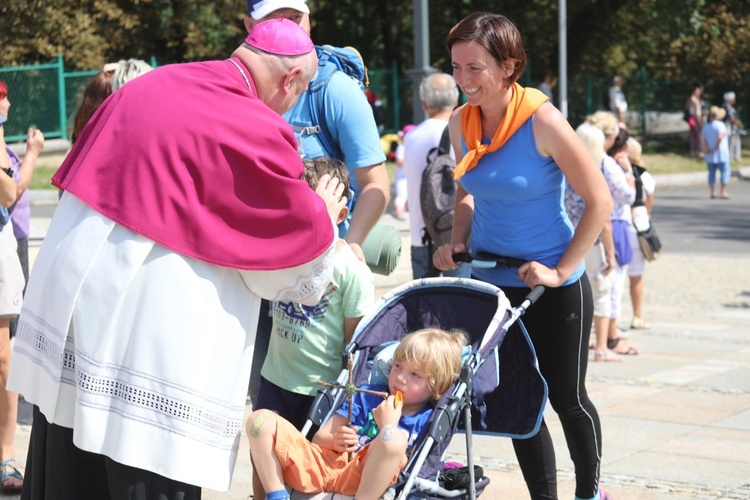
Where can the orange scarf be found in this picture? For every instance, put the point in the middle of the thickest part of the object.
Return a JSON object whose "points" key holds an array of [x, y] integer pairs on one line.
{"points": [[522, 105]]}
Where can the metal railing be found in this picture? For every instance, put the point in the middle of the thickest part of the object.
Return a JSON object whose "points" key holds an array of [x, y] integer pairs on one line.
{"points": [[46, 96]]}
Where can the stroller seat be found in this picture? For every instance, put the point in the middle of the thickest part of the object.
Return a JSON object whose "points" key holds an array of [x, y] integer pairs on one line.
{"points": [[499, 373]]}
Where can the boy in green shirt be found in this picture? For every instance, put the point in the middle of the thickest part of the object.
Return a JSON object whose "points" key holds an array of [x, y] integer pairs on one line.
{"points": [[307, 342]]}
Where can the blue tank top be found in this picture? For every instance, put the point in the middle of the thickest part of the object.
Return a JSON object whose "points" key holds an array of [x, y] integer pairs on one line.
{"points": [[518, 208]]}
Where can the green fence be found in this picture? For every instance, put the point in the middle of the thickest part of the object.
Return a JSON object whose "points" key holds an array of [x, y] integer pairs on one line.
{"points": [[654, 106], [46, 96], [395, 92]]}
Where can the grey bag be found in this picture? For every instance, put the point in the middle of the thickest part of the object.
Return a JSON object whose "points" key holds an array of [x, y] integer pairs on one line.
{"points": [[438, 193]]}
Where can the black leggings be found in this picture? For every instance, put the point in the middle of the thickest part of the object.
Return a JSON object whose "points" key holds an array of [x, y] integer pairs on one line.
{"points": [[559, 325]]}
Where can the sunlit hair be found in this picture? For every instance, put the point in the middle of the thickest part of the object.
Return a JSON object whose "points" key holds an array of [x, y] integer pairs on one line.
{"points": [[439, 91], [605, 121], [634, 151], [593, 138], [315, 168], [496, 34], [620, 140], [129, 70], [97, 90], [3, 90], [435, 352]]}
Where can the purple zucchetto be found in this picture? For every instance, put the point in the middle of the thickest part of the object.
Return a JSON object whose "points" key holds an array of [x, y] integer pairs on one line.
{"points": [[281, 37]]}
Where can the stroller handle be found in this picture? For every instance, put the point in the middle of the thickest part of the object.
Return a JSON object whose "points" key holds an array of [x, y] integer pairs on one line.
{"points": [[487, 260], [533, 296]]}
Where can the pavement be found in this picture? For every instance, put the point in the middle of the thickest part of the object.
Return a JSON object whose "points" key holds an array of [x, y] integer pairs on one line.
{"points": [[675, 418]]}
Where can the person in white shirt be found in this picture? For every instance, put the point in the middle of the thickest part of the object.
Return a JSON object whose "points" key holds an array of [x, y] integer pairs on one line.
{"points": [[715, 146], [641, 209], [439, 95], [617, 102]]}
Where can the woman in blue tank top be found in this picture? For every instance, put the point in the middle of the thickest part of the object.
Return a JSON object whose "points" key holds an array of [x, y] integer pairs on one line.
{"points": [[514, 152]]}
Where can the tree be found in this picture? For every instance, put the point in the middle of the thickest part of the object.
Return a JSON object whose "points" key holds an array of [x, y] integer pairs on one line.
{"points": [[678, 39], [91, 32]]}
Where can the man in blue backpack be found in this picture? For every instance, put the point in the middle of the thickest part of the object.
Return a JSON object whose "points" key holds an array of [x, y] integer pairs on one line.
{"points": [[336, 120], [333, 120]]}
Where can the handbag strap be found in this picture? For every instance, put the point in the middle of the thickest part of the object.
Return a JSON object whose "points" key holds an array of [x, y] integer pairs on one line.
{"points": [[638, 202]]}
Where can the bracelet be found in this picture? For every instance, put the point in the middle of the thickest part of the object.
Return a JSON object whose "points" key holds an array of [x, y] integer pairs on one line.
{"points": [[8, 171]]}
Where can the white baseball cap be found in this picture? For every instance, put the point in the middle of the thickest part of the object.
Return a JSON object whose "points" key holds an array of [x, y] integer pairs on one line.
{"points": [[261, 8]]}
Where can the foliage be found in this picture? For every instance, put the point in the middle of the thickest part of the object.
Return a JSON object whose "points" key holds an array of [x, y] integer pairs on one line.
{"points": [[91, 32], [677, 39]]}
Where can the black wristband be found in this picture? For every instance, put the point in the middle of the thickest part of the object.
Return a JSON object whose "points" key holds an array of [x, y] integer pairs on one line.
{"points": [[8, 171]]}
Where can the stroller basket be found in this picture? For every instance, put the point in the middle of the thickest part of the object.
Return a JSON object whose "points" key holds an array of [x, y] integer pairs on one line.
{"points": [[499, 372]]}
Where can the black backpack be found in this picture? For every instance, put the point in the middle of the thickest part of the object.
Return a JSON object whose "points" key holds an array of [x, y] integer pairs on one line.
{"points": [[438, 194]]}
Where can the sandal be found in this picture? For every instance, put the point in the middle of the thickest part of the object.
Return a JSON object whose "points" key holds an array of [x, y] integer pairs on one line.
{"points": [[608, 355], [630, 351], [9, 474], [639, 324]]}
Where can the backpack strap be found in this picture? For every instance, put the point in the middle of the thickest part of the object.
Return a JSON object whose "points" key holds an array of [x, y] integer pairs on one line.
{"points": [[444, 148], [316, 91]]}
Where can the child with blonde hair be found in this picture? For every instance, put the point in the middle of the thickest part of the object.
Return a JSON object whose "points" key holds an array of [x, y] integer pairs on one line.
{"points": [[382, 431]]}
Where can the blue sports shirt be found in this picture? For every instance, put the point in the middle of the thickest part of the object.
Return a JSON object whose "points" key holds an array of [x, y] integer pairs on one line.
{"points": [[518, 208], [350, 121]]}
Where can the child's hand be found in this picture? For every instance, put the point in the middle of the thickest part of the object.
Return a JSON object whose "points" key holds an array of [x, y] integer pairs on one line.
{"points": [[345, 439], [388, 412]]}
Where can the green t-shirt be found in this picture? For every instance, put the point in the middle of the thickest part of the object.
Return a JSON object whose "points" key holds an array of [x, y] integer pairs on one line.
{"points": [[307, 342]]}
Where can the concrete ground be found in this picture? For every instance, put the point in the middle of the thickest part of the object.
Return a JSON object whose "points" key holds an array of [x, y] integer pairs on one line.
{"points": [[675, 419]]}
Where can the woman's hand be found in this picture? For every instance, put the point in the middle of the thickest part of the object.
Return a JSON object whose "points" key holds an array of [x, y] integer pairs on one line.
{"points": [[533, 273], [611, 263], [623, 159], [443, 257], [344, 439], [34, 141]]}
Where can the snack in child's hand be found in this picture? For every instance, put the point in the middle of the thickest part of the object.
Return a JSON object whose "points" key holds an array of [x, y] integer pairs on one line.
{"points": [[399, 398]]}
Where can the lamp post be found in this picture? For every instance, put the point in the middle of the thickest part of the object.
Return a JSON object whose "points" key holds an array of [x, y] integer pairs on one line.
{"points": [[422, 66], [563, 55]]}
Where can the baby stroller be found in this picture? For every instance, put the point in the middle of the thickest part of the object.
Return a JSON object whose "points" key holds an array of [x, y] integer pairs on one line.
{"points": [[499, 372]]}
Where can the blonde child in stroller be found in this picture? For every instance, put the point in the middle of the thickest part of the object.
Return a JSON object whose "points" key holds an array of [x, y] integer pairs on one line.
{"points": [[425, 364]]}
